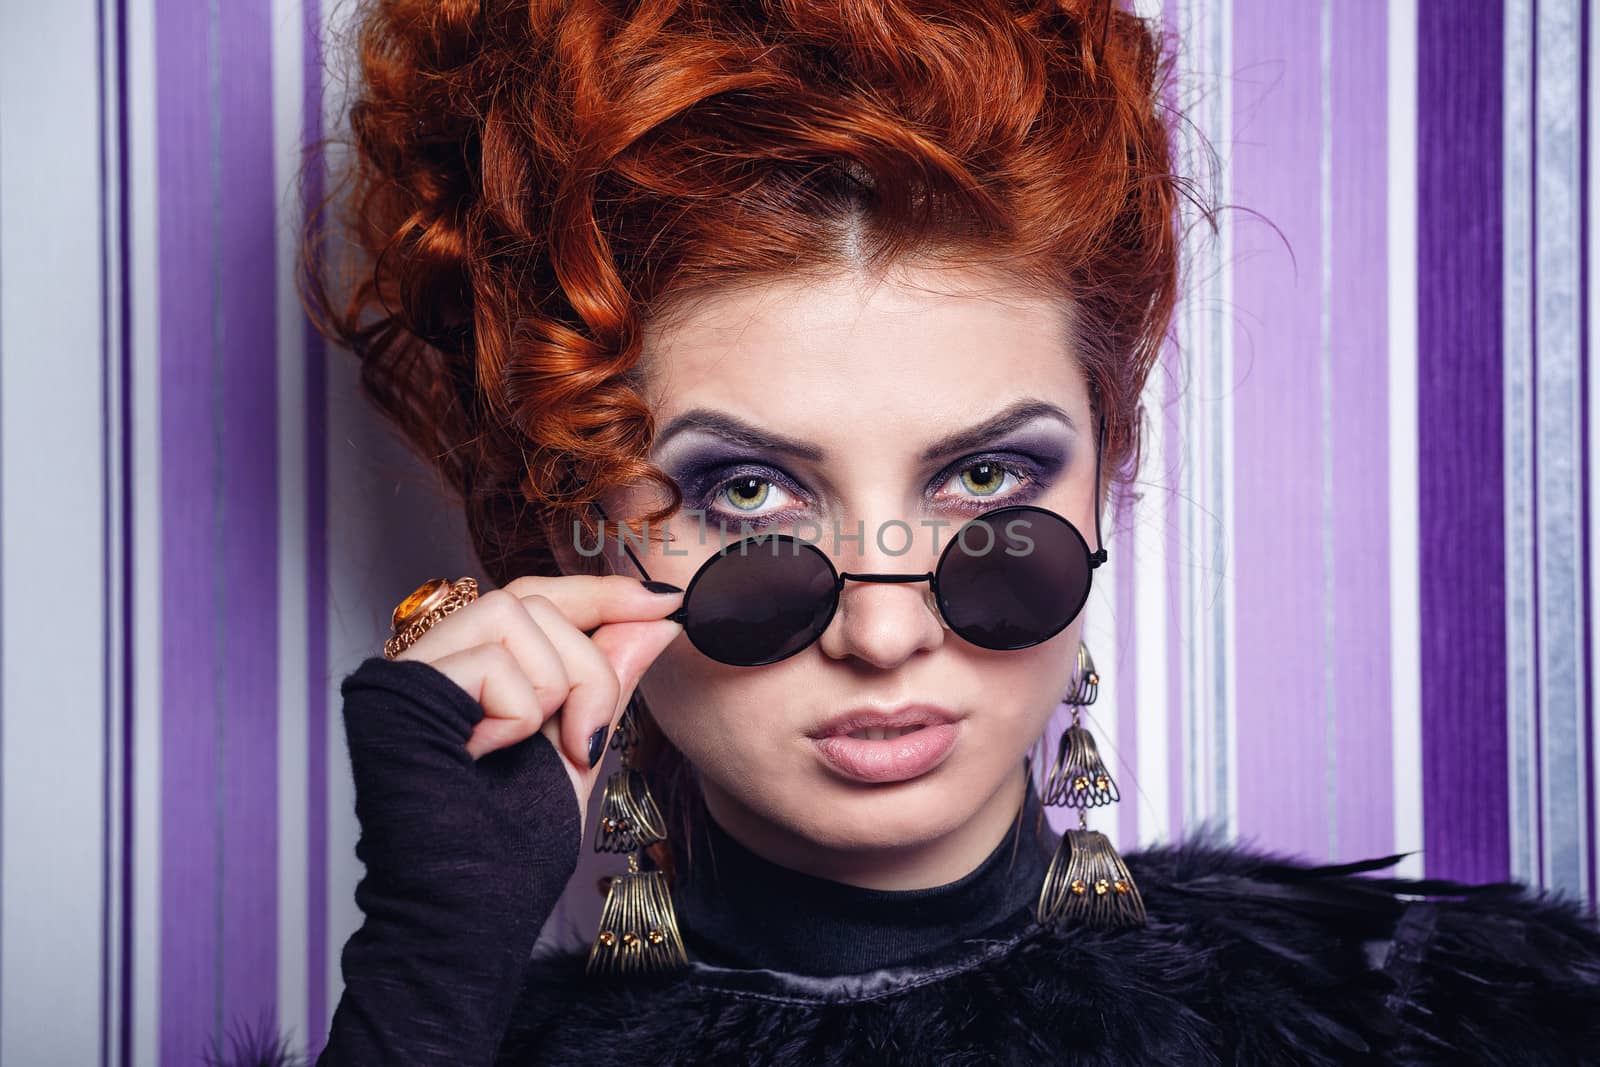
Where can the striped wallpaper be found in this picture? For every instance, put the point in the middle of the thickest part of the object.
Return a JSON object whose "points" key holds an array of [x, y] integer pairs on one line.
{"points": [[1349, 613]]}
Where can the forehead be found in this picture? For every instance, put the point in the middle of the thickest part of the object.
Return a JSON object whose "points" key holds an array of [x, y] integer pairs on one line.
{"points": [[844, 356]]}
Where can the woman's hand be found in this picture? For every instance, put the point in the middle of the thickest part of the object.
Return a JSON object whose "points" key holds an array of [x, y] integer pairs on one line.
{"points": [[557, 655]]}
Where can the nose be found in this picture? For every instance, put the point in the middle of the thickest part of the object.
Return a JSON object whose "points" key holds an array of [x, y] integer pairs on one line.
{"points": [[883, 623]]}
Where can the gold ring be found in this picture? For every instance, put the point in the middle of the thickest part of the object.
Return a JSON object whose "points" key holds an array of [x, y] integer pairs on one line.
{"points": [[417, 613]]}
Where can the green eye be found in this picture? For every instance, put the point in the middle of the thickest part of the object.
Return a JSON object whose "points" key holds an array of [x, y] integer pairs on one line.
{"points": [[988, 479], [747, 494]]}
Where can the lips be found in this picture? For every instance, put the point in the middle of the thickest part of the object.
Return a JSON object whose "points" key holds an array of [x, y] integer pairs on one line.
{"points": [[886, 722], [892, 760], [887, 746]]}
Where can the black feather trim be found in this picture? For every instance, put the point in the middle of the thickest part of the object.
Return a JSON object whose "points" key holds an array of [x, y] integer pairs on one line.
{"points": [[1247, 958]]}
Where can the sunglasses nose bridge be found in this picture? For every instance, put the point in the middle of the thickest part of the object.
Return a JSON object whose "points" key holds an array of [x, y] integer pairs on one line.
{"points": [[892, 579], [844, 576]]}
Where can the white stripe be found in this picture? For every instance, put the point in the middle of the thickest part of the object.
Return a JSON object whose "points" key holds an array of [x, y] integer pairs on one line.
{"points": [[1203, 504], [1147, 9], [51, 419], [1405, 596], [1562, 697], [287, 111], [1148, 541], [1523, 800]]}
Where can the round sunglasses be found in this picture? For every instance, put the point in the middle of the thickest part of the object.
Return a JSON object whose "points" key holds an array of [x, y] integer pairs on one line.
{"points": [[1010, 578]]}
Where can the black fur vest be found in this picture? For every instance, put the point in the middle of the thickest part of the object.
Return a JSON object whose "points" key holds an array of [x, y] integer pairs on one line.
{"points": [[1247, 958]]}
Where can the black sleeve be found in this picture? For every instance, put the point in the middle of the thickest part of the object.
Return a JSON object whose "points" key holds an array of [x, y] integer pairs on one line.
{"points": [[464, 861]]}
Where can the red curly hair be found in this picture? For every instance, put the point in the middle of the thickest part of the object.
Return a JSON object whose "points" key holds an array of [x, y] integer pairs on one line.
{"points": [[529, 181]]}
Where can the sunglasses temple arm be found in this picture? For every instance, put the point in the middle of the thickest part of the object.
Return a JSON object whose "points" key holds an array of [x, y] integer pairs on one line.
{"points": [[625, 546]]}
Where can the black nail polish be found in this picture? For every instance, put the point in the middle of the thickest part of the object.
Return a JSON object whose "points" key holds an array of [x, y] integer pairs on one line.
{"points": [[597, 747], [661, 587]]}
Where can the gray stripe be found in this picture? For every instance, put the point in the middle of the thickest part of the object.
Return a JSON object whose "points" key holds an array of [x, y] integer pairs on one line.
{"points": [[293, 742], [114, 504], [1562, 700], [1325, 370], [1523, 815], [144, 439]]}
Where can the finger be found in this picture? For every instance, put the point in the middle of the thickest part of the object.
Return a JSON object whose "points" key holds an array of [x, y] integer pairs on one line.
{"points": [[491, 675], [594, 692], [498, 617], [631, 647], [589, 601]]}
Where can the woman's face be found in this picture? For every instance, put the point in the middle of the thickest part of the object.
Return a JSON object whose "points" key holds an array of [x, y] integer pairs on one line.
{"points": [[849, 398]]}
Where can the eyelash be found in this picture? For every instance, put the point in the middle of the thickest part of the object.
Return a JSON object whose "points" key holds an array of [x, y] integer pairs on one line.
{"points": [[1025, 477]]}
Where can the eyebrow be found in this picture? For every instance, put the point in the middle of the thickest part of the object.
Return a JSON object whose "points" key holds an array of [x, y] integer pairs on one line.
{"points": [[752, 437]]}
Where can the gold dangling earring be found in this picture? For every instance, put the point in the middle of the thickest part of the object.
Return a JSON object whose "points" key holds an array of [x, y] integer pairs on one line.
{"points": [[638, 926], [1087, 881]]}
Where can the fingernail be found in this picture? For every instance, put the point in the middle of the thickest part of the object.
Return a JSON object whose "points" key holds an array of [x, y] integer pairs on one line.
{"points": [[661, 587], [597, 747]]}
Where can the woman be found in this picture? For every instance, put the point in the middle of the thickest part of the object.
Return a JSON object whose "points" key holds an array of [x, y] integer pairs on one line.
{"points": [[869, 274]]}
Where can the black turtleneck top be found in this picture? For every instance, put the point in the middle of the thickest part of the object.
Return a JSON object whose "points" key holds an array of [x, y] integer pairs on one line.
{"points": [[738, 909]]}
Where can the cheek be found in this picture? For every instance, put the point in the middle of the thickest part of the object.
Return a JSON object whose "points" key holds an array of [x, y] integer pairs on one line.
{"points": [[712, 712], [1033, 681], [675, 688]]}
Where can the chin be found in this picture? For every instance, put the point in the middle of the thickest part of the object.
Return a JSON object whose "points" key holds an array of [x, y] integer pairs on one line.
{"points": [[849, 816]]}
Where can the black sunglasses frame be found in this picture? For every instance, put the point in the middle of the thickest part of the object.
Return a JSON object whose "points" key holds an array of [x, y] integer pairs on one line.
{"points": [[1095, 559]]}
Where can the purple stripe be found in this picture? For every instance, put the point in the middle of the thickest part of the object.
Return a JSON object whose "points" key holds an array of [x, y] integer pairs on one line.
{"points": [[1459, 445], [1358, 308], [1277, 523], [1127, 668], [190, 917], [318, 1012], [248, 599]]}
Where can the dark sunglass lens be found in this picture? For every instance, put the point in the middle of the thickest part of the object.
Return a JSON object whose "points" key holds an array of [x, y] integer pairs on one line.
{"points": [[761, 601], [1014, 577]]}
